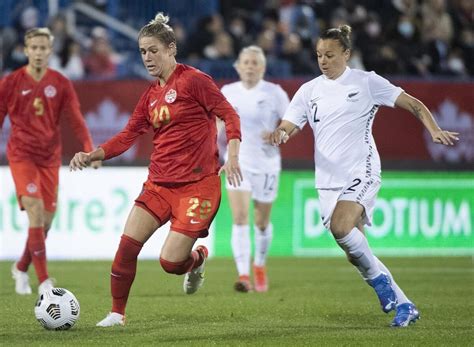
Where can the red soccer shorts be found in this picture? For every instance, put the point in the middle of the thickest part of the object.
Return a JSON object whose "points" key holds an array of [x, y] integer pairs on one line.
{"points": [[36, 182], [191, 207]]}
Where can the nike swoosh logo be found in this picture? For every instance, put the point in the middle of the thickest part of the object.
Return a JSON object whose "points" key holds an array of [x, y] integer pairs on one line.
{"points": [[37, 253], [115, 275], [195, 221], [153, 103], [25, 92], [353, 94]]}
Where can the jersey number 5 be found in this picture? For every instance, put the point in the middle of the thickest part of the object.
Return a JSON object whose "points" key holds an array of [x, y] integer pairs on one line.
{"points": [[39, 107], [161, 117]]}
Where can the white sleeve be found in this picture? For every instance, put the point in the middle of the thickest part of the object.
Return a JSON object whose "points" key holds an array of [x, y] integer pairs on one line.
{"points": [[297, 111], [282, 100], [382, 91], [225, 90]]}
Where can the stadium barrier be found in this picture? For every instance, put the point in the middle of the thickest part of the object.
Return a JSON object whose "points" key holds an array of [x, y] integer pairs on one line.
{"points": [[416, 214], [400, 137]]}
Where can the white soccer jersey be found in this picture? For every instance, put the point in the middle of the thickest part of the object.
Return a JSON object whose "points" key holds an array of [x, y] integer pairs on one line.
{"points": [[260, 109], [341, 113]]}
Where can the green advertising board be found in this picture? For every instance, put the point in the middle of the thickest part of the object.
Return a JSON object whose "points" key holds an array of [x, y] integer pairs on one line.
{"points": [[416, 214]]}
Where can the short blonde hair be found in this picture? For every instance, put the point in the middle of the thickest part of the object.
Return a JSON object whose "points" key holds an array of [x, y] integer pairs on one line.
{"points": [[253, 49], [39, 32]]}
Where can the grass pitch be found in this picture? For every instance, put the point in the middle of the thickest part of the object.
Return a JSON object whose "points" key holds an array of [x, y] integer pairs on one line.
{"points": [[311, 302]]}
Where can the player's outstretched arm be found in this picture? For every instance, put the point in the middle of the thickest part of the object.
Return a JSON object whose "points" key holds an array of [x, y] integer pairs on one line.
{"points": [[420, 111], [82, 159], [231, 167], [283, 133]]}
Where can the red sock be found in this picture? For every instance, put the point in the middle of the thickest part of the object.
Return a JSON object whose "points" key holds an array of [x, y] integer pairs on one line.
{"points": [[24, 263], [195, 259], [25, 260], [123, 272], [37, 251]]}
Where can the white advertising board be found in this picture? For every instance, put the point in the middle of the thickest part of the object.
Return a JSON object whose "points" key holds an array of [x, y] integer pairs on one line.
{"points": [[92, 209]]}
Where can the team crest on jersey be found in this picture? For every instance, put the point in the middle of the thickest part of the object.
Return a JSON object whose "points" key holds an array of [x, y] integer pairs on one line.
{"points": [[50, 91], [31, 188], [353, 96], [170, 96]]}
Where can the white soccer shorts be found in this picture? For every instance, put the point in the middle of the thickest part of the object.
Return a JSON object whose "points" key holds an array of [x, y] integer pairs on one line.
{"points": [[264, 186]]}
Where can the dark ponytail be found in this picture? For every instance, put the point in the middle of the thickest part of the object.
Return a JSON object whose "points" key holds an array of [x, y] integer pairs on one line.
{"points": [[341, 34]]}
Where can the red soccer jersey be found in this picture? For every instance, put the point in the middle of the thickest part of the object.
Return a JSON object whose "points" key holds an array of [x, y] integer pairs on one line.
{"points": [[182, 115], [35, 108]]}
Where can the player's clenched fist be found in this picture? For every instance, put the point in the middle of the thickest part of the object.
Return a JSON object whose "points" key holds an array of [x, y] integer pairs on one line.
{"points": [[80, 161], [278, 137]]}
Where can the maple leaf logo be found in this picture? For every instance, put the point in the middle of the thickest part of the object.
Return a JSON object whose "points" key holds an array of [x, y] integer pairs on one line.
{"points": [[449, 117], [105, 122]]}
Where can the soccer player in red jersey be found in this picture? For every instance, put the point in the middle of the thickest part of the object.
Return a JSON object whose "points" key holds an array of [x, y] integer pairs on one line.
{"points": [[35, 98], [183, 184]]}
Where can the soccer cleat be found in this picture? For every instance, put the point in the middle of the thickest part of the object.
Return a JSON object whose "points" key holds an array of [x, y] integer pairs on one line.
{"points": [[112, 319], [407, 313], [46, 285], [383, 287], [260, 278], [194, 279], [22, 281], [243, 284]]}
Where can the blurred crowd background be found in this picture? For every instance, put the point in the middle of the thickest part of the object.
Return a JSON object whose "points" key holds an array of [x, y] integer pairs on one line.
{"points": [[96, 39]]}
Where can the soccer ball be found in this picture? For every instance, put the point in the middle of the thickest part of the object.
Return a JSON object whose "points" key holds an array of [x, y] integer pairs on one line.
{"points": [[57, 309]]}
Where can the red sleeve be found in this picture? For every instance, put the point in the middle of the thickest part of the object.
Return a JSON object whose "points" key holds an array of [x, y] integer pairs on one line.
{"points": [[137, 125], [212, 99], [3, 100], [72, 109]]}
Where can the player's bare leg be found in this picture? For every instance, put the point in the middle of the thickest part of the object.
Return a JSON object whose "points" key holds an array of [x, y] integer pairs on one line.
{"points": [[178, 258]]}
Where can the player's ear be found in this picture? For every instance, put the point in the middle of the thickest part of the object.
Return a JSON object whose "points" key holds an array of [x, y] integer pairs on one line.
{"points": [[172, 48], [347, 54]]}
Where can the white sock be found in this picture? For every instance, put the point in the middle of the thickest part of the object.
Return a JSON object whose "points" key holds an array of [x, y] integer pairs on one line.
{"points": [[263, 240], [241, 248], [401, 297], [359, 253]]}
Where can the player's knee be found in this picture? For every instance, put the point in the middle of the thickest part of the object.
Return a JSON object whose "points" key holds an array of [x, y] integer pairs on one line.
{"points": [[340, 227], [172, 267], [241, 218], [47, 226]]}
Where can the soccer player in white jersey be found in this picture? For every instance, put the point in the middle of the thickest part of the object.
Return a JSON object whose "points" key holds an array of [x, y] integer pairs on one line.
{"points": [[260, 105], [340, 106]]}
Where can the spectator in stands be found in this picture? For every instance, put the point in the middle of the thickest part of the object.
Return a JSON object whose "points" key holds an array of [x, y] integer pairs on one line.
{"points": [[68, 60], [58, 29], [205, 34], [239, 32], [411, 52], [101, 61], [437, 32], [302, 61], [221, 47], [16, 58]]}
